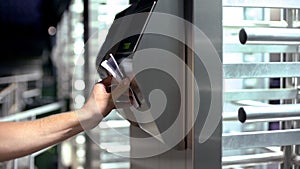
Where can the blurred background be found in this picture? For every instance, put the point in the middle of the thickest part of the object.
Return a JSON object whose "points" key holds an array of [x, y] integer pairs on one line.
{"points": [[47, 64], [42, 60]]}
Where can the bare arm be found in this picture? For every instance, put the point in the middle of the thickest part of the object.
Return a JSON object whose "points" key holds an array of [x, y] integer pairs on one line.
{"points": [[22, 138], [18, 139]]}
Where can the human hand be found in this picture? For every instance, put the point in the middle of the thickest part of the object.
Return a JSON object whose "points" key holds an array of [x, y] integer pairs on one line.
{"points": [[100, 102]]}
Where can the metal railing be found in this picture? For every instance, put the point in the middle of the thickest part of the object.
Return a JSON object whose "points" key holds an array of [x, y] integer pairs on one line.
{"points": [[32, 114], [268, 38], [16, 91]]}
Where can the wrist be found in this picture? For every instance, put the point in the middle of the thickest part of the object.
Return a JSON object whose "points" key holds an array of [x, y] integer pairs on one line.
{"points": [[87, 119]]}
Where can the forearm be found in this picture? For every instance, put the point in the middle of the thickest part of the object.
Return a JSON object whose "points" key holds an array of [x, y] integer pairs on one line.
{"points": [[18, 139], [22, 138]]}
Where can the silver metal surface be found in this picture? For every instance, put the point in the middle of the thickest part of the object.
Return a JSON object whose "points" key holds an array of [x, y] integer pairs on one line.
{"points": [[233, 24], [208, 18], [15, 164], [269, 113], [263, 4], [21, 78], [269, 34], [41, 151], [252, 48], [260, 94], [8, 90], [261, 70], [31, 93], [288, 16], [250, 103], [297, 147], [296, 160], [287, 149], [261, 139], [253, 158], [31, 162], [230, 116], [33, 112]]}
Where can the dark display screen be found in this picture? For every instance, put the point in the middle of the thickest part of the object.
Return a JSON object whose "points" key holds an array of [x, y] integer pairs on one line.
{"points": [[128, 45]]}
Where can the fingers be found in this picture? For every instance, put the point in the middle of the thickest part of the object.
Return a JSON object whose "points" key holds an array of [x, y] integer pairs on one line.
{"points": [[115, 89], [106, 83]]}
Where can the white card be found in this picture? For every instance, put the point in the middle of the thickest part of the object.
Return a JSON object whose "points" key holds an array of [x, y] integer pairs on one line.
{"points": [[113, 68]]}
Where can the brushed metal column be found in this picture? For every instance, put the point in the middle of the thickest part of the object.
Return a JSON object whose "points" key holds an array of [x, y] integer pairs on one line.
{"points": [[208, 17]]}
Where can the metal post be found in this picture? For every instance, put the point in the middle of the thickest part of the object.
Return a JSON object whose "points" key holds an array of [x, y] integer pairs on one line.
{"points": [[287, 112], [88, 158], [86, 49], [208, 18], [269, 34], [287, 161], [287, 150], [31, 162], [15, 163], [296, 100], [297, 149], [252, 159]]}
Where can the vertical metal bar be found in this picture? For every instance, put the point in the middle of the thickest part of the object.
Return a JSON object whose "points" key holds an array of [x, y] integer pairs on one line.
{"points": [[88, 158], [31, 157], [31, 162], [86, 49], [189, 102], [287, 125], [15, 163], [296, 84], [297, 153], [208, 18], [287, 150]]}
